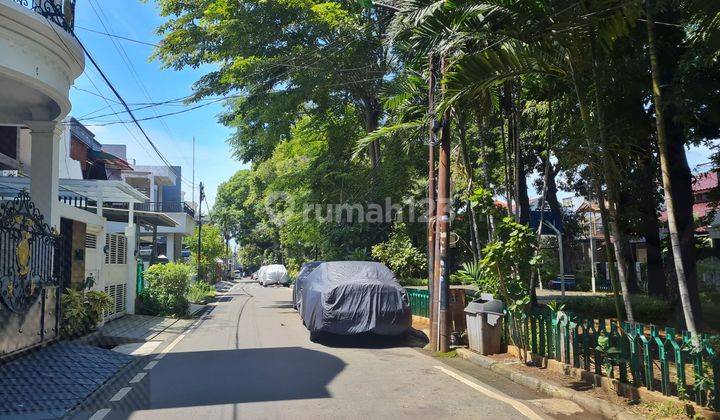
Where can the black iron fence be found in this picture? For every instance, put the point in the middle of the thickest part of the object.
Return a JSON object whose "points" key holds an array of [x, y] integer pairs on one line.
{"points": [[59, 12], [29, 284]]}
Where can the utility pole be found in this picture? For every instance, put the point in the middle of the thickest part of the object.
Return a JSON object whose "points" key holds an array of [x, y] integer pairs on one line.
{"points": [[443, 232], [193, 171], [199, 251], [431, 199]]}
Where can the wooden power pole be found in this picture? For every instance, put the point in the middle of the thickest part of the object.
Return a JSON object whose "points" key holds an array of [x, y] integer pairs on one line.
{"points": [[443, 233], [431, 202]]}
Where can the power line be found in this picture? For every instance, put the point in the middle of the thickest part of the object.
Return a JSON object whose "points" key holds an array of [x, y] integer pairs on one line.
{"points": [[87, 74], [133, 71], [117, 36], [125, 105]]}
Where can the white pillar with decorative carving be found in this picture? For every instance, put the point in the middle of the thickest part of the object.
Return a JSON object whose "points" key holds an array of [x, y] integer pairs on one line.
{"points": [[44, 168]]}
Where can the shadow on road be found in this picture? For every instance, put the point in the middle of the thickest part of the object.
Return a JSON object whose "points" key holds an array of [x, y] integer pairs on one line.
{"points": [[205, 378], [281, 304], [368, 341]]}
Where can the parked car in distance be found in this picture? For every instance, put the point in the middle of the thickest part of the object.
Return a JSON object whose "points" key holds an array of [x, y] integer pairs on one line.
{"points": [[305, 270], [353, 297], [237, 274], [259, 274], [274, 274]]}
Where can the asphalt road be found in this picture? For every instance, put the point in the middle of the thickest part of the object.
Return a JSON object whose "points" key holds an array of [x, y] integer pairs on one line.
{"points": [[251, 357]]}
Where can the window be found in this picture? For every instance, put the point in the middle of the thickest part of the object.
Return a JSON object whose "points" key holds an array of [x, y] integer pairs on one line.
{"points": [[90, 241], [116, 245]]}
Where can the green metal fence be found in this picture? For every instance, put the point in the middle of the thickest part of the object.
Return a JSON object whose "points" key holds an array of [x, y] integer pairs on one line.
{"points": [[643, 355], [419, 302]]}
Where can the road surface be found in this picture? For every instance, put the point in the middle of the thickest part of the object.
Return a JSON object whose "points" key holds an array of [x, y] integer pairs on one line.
{"points": [[251, 357]]}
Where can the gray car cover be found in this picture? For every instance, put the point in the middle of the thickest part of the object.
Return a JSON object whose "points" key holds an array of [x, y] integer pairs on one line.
{"points": [[352, 297], [305, 271]]}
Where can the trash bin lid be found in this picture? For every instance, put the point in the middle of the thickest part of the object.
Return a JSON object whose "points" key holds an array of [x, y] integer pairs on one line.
{"points": [[484, 305]]}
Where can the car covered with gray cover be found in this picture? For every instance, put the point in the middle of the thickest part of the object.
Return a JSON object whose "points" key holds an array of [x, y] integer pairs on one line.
{"points": [[353, 297], [305, 271]]}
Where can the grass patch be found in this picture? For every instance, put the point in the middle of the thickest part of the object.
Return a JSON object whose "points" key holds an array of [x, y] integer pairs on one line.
{"points": [[664, 410], [449, 354]]}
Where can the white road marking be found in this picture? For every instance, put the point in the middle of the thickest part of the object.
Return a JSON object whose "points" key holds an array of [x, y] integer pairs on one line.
{"points": [[139, 377], [150, 365], [517, 405], [120, 394], [100, 414]]}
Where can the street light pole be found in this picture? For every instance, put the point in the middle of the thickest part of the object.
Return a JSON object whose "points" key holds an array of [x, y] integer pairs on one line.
{"points": [[199, 250]]}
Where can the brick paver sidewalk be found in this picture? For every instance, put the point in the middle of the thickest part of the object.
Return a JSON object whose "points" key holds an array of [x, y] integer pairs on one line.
{"points": [[47, 382]]}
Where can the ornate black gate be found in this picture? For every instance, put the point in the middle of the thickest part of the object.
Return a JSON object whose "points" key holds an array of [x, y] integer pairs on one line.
{"points": [[29, 288]]}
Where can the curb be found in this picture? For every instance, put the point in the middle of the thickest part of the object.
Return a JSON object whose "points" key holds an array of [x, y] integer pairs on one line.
{"points": [[591, 404]]}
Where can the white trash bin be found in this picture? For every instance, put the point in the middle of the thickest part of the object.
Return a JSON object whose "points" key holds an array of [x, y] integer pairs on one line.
{"points": [[484, 324]]}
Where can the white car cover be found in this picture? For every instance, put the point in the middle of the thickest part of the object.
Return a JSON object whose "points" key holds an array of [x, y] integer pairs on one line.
{"points": [[274, 274], [261, 273]]}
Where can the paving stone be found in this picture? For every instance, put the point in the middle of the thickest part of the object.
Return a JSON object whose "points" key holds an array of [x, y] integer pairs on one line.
{"points": [[50, 381]]}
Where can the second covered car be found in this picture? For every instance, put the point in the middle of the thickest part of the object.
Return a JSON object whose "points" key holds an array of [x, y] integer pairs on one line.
{"points": [[273, 274], [353, 297]]}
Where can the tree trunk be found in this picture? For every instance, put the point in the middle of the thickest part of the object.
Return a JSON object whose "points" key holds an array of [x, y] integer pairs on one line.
{"points": [[649, 225], [372, 121], [486, 169], [597, 186], [474, 233], [613, 189], [678, 233]]}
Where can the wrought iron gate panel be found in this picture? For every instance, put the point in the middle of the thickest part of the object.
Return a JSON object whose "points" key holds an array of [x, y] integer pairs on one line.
{"points": [[29, 288]]}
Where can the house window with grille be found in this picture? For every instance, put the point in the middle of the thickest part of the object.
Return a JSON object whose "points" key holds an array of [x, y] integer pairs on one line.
{"points": [[117, 294], [90, 241], [116, 249]]}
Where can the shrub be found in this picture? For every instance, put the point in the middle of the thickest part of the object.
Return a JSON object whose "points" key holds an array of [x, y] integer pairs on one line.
{"points": [[470, 273], [167, 290], [646, 309], [413, 282], [82, 311], [201, 292], [399, 254]]}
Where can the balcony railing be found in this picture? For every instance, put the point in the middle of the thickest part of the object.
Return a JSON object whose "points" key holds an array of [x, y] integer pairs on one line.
{"points": [[166, 207], [161, 207], [59, 12]]}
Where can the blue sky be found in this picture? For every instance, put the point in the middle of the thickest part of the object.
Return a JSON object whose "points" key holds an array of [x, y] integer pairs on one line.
{"points": [[173, 134]]}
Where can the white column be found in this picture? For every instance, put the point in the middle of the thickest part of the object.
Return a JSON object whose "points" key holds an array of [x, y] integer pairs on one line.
{"points": [[44, 168], [152, 189], [170, 246], [101, 240], [131, 285]]}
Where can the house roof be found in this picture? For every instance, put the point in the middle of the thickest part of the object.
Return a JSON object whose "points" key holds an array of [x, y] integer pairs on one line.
{"points": [[700, 210], [110, 159], [80, 132], [705, 182]]}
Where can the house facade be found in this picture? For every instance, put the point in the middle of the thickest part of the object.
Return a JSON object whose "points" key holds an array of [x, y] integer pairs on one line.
{"points": [[39, 61]]}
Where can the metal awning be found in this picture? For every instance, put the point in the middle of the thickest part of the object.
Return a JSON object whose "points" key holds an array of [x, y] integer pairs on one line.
{"points": [[112, 191], [141, 217]]}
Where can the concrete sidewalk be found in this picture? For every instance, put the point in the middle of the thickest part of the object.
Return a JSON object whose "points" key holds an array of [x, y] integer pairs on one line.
{"points": [[141, 328]]}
